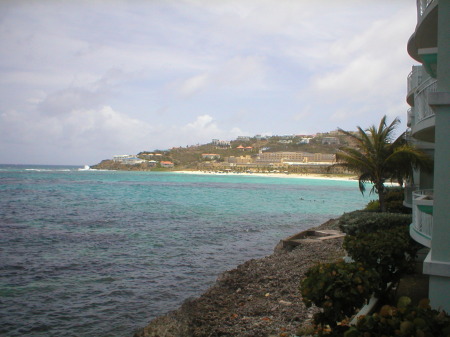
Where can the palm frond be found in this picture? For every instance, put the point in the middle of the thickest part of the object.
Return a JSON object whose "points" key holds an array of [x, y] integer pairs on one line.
{"points": [[379, 157]]}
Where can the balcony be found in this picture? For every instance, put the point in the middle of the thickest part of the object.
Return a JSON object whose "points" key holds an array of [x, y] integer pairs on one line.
{"points": [[408, 195], [423, 110], [422, 6], [425, 35], [410, 118], [413, 81], [422, 214], [423, 126]]}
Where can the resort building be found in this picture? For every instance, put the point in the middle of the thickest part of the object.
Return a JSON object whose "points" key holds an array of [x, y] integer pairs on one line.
{"points": [[259, 137], [121, 157], [330, 141], [304, 140], [221, 144], [167, 164], [244, 148], [298, 157], [240, 160], [128, 159], [210, 156], [149, 155], [429, 123]]}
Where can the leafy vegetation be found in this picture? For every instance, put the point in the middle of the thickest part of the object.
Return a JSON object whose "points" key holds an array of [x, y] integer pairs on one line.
{"points": [[393, 200], [356, 222], [382, 252], [403, 320], [339, 289], [390, 252]]}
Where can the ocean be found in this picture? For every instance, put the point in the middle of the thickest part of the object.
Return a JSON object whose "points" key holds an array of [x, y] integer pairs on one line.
{"points": [[101, 253]]}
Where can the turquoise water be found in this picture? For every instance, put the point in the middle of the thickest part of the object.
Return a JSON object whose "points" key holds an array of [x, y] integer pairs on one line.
{"points": [[100, 253]]}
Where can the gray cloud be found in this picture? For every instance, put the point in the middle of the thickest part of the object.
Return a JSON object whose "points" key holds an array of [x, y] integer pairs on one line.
{"points": [[94, 77], [67, 100]]}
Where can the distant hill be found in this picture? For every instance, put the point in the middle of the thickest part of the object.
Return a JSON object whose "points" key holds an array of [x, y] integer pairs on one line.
{"points": [[192, 157]]}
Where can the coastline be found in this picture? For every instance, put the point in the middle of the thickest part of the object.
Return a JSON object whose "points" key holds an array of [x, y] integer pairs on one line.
{"points": [[257, 298], [276, 175], [315, 176]]}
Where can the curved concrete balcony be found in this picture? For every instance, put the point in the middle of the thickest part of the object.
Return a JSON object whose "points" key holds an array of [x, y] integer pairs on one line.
{"points": [[410, 118], [425, 35], [413, 81], [422, 214], [424, 121], [408, 195]]}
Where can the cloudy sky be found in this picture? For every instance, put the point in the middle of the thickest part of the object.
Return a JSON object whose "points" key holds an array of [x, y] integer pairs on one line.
{"points": [[81, 81]]}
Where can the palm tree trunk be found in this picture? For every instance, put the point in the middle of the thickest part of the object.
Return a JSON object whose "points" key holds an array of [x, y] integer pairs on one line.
{"points": [[381, 196]]}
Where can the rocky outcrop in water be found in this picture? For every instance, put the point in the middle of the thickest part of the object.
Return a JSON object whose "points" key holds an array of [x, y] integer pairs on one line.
{"points": [[259, 298]]}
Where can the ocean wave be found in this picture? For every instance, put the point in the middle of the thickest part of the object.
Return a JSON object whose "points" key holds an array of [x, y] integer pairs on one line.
{"points": [[49, 170]]}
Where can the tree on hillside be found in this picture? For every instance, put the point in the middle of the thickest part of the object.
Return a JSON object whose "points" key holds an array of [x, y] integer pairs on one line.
{"points": [[378, 157]]}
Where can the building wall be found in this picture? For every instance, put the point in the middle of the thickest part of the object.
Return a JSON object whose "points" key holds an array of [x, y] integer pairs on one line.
{"points": [[301, 157], [437, 263]]}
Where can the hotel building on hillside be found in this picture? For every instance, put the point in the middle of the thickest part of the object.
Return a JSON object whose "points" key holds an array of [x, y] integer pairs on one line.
{"points": [[299, 157], [429, 123]]}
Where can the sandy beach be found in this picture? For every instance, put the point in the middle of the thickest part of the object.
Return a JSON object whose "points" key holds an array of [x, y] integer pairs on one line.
{"points": [[276, 175]]}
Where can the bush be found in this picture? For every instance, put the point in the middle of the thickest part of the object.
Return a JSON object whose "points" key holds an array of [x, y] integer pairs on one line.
{"points": [[405, 320], [339, 289], [372, 206], [357, 222], [390, 252], [393, 201], [396, 206]]}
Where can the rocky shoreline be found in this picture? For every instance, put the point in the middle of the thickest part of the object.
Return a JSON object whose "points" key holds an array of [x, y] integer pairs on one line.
{"points": [[259, 298]]}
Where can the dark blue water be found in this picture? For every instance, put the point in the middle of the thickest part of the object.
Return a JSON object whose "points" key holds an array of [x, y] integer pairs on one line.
{"points": [[100, 253]]}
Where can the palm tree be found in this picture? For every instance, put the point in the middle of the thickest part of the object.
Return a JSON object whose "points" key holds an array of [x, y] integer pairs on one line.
{"points": [[378, 158]]}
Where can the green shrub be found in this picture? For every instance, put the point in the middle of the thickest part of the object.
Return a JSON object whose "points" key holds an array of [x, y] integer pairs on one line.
{"points": [[396, 206], [339, 289], [393, 200], [390, 252], [367, 222], [405, 320], [372, 206], [394, 194]]}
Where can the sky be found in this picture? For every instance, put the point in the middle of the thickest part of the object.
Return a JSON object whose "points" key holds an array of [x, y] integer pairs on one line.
{"points": [[82, 81]]}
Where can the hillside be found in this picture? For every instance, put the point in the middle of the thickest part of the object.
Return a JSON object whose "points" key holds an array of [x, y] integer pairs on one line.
{"points": [[193, 157]]}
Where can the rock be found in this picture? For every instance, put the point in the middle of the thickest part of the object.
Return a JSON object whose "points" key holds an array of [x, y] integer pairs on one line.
{"points": [[284, 302], [259, 298]]}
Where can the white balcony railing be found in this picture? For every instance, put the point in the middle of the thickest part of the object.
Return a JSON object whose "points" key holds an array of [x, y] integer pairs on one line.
{"points": [[408, 195], [414, 78], [422, 109], [422, 6], [422, 216], [410, 117]]}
